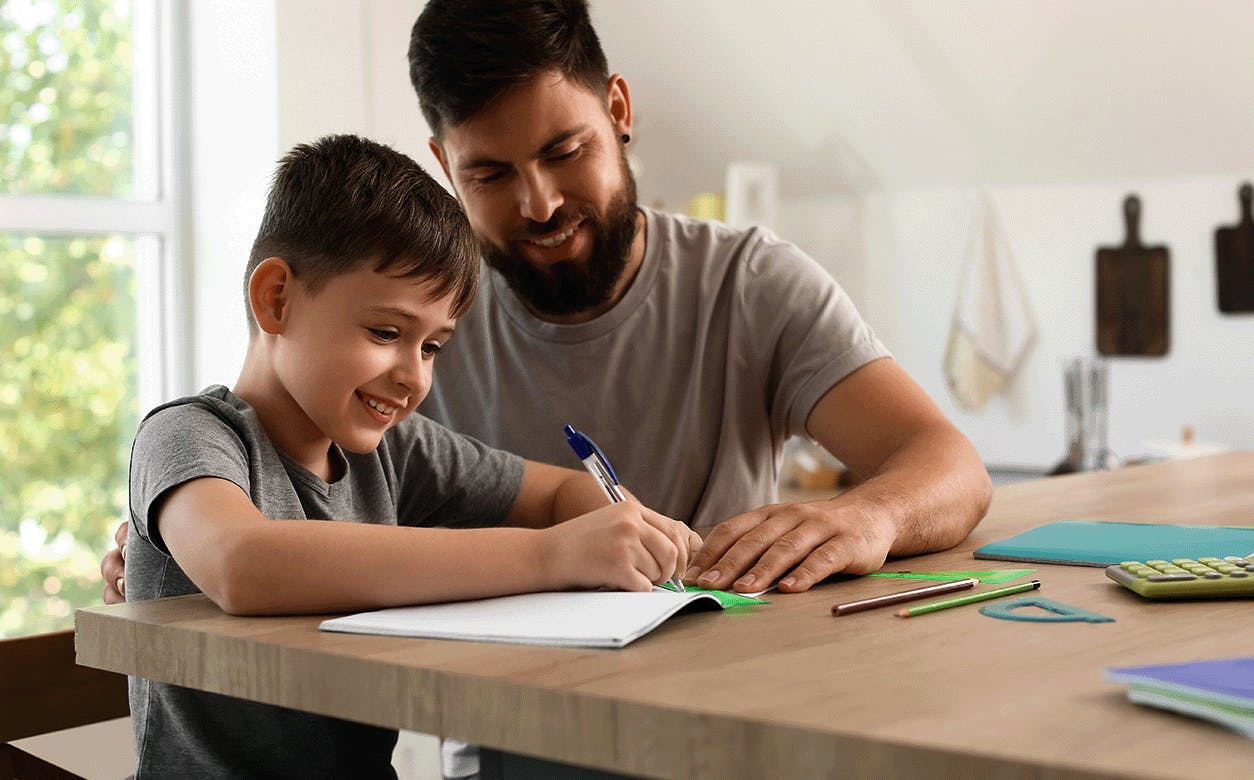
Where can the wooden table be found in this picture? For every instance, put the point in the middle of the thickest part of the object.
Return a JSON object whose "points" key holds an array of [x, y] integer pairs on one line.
{"points": [[783, 690]]}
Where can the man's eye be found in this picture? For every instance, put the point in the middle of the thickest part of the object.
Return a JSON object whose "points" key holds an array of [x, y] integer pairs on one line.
{"points": [[489, 178], [431, 348], [565, 155], [383, 335]]}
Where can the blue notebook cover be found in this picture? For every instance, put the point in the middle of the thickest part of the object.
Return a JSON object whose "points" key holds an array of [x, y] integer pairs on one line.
{"points": [[1089, 543]]}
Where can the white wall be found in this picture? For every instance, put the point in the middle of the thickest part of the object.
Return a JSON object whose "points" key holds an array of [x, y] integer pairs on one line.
{"points": [[1206, 380], [234, 114]]}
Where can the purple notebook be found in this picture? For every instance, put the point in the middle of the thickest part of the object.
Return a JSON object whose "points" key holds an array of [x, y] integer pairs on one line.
{"points": [[1220, 691], [1230, 679]]}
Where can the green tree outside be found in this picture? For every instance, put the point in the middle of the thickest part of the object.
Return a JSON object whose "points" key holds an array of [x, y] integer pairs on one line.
{"points": [[68, 366]]}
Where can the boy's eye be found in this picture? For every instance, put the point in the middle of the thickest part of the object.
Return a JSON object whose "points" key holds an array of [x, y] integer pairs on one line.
{"points": [[431, 348], [383, 335]]}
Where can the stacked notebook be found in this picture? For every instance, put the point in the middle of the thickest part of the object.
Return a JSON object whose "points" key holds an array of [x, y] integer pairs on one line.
{"points": [[1220, 691]]}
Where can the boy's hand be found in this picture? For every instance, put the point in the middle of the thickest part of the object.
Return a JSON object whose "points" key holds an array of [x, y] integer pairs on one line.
{"points": [[622, 546], [113, 568]]}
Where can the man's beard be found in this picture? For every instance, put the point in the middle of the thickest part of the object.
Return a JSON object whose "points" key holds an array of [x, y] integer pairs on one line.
{"points": [[573, 286]]}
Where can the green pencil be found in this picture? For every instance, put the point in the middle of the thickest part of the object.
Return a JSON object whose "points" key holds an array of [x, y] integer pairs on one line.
{"points": [[970, 599]]}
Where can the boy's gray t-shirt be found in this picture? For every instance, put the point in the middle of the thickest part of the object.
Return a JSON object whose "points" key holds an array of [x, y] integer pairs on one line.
{"points": [[421, 474], [690, 384]]}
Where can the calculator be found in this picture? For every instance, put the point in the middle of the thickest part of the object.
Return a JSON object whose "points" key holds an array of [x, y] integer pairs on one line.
{"points": [[1184, 578]]}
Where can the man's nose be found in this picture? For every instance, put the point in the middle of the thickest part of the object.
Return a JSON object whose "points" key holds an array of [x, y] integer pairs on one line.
{"points": [[540, 196]]}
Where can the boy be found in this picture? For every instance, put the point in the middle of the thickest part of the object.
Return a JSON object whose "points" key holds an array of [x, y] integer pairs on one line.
{"points": [[360, 268]]}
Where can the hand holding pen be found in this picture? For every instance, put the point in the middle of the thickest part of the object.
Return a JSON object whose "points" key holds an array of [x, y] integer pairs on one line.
{"points": [[603, 474]]}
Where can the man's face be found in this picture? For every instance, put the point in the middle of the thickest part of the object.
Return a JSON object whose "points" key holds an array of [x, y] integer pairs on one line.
{"points": [[545, 183]]}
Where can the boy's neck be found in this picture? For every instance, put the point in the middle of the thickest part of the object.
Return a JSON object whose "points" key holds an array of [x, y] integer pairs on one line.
{"points": [[289, 429]]}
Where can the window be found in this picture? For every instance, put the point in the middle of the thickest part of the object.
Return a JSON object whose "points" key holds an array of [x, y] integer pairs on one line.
{"points": [[89, 205]]}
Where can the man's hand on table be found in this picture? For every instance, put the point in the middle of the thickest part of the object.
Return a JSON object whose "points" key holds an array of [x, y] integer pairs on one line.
{"points": [[798, 544]]}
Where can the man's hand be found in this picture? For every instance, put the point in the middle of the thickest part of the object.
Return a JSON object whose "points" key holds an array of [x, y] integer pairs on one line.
{"points": [[113, 568], [802, 543]]}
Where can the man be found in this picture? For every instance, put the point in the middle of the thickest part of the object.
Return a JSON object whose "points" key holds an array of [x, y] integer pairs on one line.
{"points": [[689, 351]]}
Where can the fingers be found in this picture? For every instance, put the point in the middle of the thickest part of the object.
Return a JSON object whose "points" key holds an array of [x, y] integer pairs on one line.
{"points": [[662, 555], [744, 544], [113, 568], [678, 534], [113, 572], [720, 540], [800, 543]]}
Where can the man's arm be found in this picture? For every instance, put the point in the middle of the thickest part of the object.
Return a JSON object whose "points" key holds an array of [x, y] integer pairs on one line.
{"points": [[924, 488]]}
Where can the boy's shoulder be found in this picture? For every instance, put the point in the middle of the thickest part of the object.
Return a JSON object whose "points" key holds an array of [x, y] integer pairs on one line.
{"points": [[190, 423]]}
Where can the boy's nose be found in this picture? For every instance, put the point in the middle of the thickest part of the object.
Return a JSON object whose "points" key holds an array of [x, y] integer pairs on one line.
{"points": [[539, 197], [414, 375]]}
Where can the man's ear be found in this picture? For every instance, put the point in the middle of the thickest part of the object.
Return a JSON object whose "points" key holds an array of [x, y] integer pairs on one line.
{"points": [[435, 148], [618, 103], [270, 294]]}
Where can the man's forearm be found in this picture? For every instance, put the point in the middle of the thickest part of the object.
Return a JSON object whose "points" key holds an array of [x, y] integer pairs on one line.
{"points": [[928, 495]]}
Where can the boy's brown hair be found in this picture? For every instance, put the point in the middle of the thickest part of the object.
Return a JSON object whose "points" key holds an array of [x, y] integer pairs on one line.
{"points": [[343, 202]]}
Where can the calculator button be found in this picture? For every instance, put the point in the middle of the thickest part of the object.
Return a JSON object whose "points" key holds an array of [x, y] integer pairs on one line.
{"points": [[1213, 575], [1208, 559], [1173, 577], [1237, 573], [1234, 559], [1156, 563]]}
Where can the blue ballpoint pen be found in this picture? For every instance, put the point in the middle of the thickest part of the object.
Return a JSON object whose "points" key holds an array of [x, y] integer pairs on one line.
{"points": [[599, 467]]}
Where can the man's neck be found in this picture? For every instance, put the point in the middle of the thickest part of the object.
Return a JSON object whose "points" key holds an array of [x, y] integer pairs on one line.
{"points": [[635, 259]]}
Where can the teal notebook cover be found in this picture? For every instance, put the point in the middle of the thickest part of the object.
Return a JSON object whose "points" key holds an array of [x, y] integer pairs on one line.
{"points": [[1089, 543]]}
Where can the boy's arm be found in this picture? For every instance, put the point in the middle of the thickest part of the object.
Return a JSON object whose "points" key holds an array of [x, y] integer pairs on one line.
{"points": [[550, 494], [248, 563]]}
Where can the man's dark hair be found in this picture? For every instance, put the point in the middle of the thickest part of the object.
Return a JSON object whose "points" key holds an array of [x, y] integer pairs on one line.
{"points": [[464, 54], [343, 202]]}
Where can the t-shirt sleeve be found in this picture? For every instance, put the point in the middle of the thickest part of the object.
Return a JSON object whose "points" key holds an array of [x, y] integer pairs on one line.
{"points": [[176, 445], [452, 480], [809, 325]]}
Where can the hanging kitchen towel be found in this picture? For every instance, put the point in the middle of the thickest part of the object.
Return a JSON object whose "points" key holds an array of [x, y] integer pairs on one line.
{"points": [[992, 328]]}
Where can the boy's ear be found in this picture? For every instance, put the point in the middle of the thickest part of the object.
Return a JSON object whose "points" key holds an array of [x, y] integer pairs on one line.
{"points": [[270, 294]]}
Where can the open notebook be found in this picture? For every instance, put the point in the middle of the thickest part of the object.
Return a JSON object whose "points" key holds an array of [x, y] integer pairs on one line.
{"points": [[567, 619]]}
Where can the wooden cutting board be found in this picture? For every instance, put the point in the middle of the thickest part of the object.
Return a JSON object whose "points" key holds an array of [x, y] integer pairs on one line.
{"points": [[1234, 259], [1133, 292]]}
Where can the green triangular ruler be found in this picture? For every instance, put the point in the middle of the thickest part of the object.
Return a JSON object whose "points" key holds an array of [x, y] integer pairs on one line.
{"points": [[991, 577]]}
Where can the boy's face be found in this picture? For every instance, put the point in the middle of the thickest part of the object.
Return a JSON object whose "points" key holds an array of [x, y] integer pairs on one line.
{"points": [[356, 357], [544, 181]]}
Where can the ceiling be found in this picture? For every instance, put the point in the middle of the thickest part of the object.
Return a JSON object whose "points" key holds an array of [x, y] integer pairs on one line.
{"points": [[849, 96]]}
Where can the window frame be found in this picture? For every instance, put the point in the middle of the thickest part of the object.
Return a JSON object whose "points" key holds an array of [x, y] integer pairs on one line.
{"points": [[162, 277]]}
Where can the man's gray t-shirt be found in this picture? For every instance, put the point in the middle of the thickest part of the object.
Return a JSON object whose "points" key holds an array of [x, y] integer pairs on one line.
{"points": [[421, 474], [690, 384]]}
